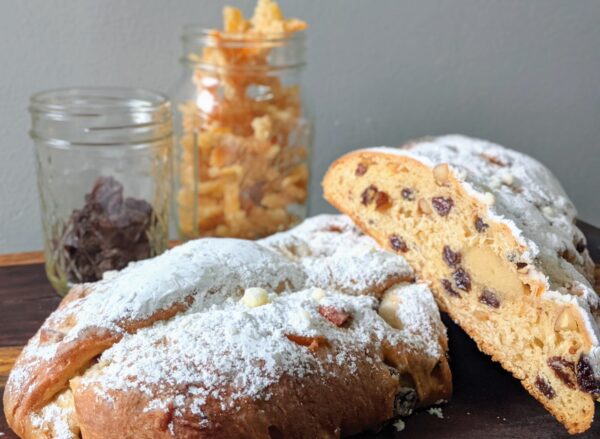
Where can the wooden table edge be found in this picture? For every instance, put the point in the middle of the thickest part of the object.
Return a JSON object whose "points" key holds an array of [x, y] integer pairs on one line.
{"points": [[37, 257], [26, 258]]}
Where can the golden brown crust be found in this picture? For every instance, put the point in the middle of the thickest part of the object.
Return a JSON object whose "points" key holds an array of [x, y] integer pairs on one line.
{"points": [[45, 378], [301, 408]]}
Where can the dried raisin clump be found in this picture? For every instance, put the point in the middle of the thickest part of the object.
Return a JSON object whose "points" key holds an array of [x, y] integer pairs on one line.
{"points": [[563, 369], [361, 169], [462, 279], [451, 258], [368, 194], [449, 289], [480, 226], [408, 194], [545, 387], [489, 298], [398, 244], [442, 205], [372, 194], [585, 377]]}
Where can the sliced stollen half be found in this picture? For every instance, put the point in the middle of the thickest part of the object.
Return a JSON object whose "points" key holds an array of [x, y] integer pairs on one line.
{"points": [[493, 231]]}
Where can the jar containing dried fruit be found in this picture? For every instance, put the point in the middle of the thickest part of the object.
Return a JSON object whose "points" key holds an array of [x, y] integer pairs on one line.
{"points": [[104, 159], [242, 126]]}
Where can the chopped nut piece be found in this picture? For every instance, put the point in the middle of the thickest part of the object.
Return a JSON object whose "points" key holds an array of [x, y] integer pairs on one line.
{"points": [[254, 297], [507, 178], [318, 294], [489, 199], [336, 316], [565, 321], [547, 210], [441, 174], [424, 206]]}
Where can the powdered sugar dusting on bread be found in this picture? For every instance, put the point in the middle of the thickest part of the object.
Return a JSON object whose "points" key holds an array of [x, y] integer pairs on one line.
{"points": [[334, 253], [525, 196], [53, 419], [227, 354], [222, 266], [418, 314], [325, 252]]}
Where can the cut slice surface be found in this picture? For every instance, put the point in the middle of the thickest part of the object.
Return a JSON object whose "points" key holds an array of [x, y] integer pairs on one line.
{"points": [[492, 231]]}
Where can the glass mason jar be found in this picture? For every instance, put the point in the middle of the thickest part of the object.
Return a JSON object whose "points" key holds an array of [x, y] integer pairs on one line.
{"points": [[243, 134], [104, 162]]}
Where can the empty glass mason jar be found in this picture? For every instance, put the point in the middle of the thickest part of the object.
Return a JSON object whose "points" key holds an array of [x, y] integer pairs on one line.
{"points": [[243, 134], [103, 159]]}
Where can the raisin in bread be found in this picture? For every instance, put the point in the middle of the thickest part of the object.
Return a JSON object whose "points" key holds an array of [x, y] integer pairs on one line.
{"points": [[227, 338], [493, 232]]}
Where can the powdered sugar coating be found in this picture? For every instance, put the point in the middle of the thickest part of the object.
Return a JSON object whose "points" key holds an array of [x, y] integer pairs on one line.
{"points": [[223, 266], [334, 253], [420, 323], [328, 252], [525, 196], [227, 354], [53, 420]]}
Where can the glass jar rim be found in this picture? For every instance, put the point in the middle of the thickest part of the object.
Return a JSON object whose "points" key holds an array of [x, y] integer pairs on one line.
{"points": [[94, 100], [287, 49], [237, 39], [100, 116]]}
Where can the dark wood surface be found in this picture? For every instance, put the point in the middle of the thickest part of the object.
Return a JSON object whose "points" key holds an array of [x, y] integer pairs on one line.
{"points": [[487, 403]]}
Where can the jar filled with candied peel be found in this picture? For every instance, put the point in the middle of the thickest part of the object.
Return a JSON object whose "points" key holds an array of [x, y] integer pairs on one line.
{"points": [[243, 134]]}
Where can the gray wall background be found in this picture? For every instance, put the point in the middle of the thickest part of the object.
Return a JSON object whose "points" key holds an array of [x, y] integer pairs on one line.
{"points": [[524, 73]]}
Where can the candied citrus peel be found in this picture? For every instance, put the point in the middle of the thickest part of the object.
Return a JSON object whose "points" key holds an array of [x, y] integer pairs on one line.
{"points": [[243, 160]]}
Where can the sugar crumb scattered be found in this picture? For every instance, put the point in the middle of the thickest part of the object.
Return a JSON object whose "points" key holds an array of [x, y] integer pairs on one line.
{"points": [[436, 411], [399, 425]]}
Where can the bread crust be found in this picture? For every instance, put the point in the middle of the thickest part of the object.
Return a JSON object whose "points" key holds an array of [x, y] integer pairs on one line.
{"points": [[52, 392]]}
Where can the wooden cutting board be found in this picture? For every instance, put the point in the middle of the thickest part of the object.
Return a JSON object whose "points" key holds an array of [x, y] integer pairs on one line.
{"points": [[487, 403]]}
